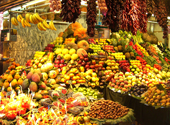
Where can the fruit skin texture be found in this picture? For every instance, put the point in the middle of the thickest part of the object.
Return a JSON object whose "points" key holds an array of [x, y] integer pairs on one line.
{"points": [[35, 78], [83, 44], [29, 75], [81, 52], [25, 84], [33, 86]]}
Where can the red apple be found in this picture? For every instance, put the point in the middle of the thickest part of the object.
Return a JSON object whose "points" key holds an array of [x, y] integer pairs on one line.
{"points": [[88, 63], [58, 57], [83, 63], [86, 59], [103, 68], [87, 66], [122, 84], [57, 61], [61, 65], [101, 62], [117, 83], [126, 82], [92, 66], [93, 62], [85, 56], [100, 65], [112, 85], [80, 61], [62, 61], [65, 64]]}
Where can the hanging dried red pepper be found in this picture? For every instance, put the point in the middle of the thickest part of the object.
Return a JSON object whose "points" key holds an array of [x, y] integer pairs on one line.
{"points": [[91, 17]]}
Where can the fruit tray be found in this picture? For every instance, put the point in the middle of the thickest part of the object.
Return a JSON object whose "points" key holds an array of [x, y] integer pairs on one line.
{"points": [[127, 118]]}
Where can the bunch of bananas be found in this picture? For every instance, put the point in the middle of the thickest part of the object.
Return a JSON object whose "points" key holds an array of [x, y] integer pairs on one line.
{"points": [[34, 18], [19, 18], [25, 23], [14, 21], [38, 54], [52, 27]]}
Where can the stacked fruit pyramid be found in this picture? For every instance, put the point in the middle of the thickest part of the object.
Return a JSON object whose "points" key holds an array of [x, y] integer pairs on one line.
{"points": [[70, 62]]}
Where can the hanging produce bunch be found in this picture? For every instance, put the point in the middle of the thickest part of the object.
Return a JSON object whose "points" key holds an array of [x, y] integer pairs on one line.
{"points": [[34, 19], [70, 10], [150, 7], [134, 16], [55, 5], [113, 13], [102, 6], [161, 16], [143, 16], [91, 17]]}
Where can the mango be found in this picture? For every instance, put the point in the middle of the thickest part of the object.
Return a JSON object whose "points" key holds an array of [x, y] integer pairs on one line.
{"points": [[25, 84], [35, 78], [33, 87]]}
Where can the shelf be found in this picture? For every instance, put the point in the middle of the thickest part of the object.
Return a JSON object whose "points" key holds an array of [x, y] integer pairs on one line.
{"points": [[59, 22]]}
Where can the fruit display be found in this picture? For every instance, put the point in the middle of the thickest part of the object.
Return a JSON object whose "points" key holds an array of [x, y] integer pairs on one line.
{"points": [[138, 90], [156, 96], [106, 109], [88, 92]]}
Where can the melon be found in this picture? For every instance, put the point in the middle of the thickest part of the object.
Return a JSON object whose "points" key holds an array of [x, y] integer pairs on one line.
{"points": [[81, 52], [83, 44]]}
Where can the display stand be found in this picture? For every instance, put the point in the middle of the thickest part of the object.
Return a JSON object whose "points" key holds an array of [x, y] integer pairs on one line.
{"points": [[145, 115]]}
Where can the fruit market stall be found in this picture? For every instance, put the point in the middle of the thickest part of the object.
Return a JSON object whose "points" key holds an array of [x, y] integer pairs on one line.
{"points": [[65, 83]]}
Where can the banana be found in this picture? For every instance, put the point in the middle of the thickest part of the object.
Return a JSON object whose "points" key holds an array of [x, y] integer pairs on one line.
{"points": [[41, 25], [35, 19], [45, 24], [27, 17], [52, 27], [22, 22], [27, 23], [19, 18], [31, 20], [38, 17], [14, 21]]}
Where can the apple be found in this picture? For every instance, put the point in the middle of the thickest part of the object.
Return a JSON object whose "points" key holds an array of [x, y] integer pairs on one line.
{"points": [[121, 80], [117, 83], [103, 68], [65, 64], [81, 58], [80, 61], [62, 61], [57, 61], [86, 59], [100, 65], [87, 66], [116, 86], [58, 57], [112, 85], [88, 63], [116, 77], [83, 63], [101, 62], [92, 66], [61, 65], [85, 56], [56, 65], [122, 84], [126, 82], [93, 62], [87, 69]]}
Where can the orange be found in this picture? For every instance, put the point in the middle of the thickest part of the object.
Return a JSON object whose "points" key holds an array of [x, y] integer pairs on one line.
{"points": [[17, 76], [6, 84], [9, 89], [14, 82], [20, 81], [9, 78], [12, 72]]}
